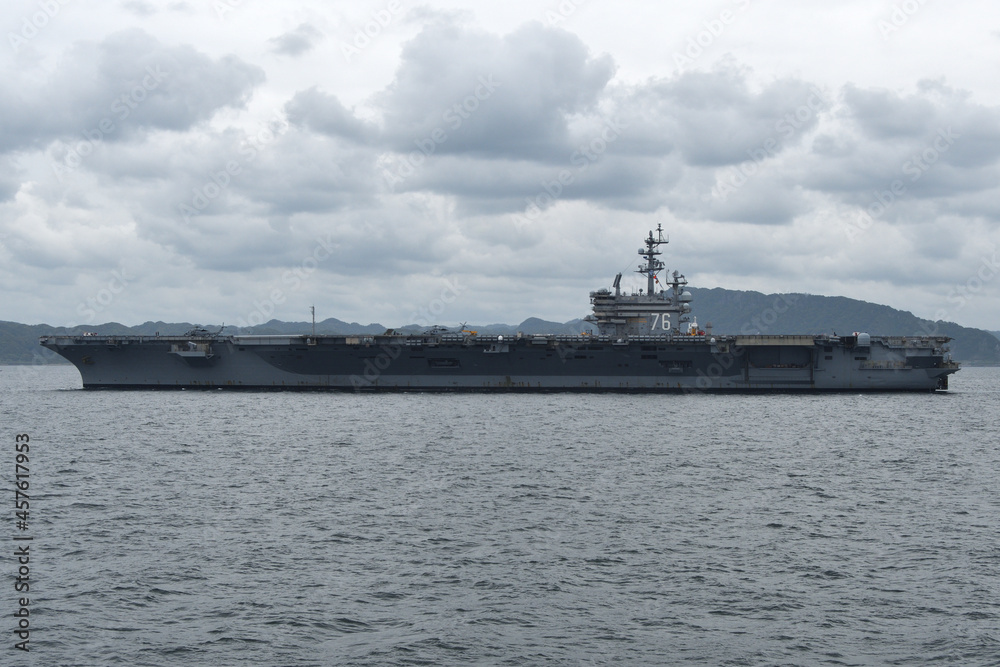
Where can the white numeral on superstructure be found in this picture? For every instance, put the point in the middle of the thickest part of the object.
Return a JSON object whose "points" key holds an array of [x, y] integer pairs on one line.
{"points": [[664, 321]]}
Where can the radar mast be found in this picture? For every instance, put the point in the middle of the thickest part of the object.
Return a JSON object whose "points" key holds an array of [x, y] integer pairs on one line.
{"points": [[650, 253]]}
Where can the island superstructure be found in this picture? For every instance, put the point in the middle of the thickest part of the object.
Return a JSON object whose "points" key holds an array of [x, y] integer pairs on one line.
{"points": [[645, 341]]}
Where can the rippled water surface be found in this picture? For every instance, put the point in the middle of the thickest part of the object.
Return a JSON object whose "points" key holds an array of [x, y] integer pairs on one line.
{"points": [[218, 528]]}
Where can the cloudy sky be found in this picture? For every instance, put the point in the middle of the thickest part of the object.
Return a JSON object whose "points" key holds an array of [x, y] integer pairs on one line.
{"points": [[396, 162]]}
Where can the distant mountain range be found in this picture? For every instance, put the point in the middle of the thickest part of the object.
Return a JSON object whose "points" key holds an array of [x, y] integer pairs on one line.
{"points": [[727, 311]]}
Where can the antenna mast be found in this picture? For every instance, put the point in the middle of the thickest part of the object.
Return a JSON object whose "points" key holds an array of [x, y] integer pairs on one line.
{"points": [[653, 265]]}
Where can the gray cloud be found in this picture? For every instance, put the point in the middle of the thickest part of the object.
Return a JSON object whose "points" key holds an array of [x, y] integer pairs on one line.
{"points": [[140, 7], [298, 41], [491, 95], [934, 144], [715, 119], [462, 91], [446, 181], [10, 178], [883, 115], [321, 112], [506, 150], [546, 119], [126, 83]]}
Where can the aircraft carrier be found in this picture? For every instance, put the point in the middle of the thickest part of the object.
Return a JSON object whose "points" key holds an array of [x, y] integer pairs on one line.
{"points": [[645, 341]]}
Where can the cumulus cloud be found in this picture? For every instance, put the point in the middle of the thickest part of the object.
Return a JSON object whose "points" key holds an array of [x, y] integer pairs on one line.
{"points": [[893, 153], [715, 119], [517, 123], [469, 91], [126, 83], [510, 96]]}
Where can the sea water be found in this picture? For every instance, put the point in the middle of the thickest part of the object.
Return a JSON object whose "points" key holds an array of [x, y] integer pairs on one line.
{"points": [[232, 528]]}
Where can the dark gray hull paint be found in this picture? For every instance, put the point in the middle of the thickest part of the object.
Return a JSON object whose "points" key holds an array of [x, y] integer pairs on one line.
{"points": [[530, 363]]}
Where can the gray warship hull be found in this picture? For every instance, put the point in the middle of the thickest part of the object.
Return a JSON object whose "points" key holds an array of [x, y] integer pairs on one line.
{"points": [[466, 362]]}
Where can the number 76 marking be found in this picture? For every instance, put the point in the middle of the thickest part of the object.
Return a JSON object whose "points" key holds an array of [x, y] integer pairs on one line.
{"points": [[663, 320]]}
